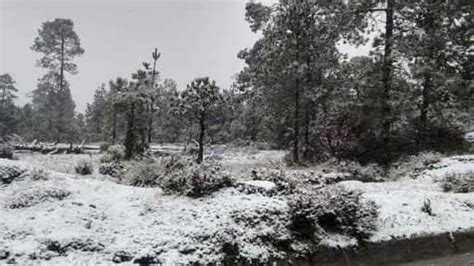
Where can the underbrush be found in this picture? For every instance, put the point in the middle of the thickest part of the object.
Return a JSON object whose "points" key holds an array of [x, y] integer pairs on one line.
{"points": [[354, 171], [196, 180], [39, 174], [114, 153], [33, 196], [331, 209], [84, 167], [6, 151], [458, 183], [414, 165], [176, 175], [144, 175], [8, 173]]}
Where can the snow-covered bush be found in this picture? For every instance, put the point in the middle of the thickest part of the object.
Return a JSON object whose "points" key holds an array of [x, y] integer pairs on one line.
{"points": [[113, 169], [257, 186], [413, 166], [52, 248], [286, 181], [35, 195], [6, 151], [9, 172], [114, 153], [175, 162], [352, 170], [331, 209], [38, 174], [270, 229], [458, 183], [196, 180], [278, 176], [84, 167], [144, 175]]}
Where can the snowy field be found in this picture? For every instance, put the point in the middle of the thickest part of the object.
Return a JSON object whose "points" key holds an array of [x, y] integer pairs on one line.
{"points": [[69, 218]]}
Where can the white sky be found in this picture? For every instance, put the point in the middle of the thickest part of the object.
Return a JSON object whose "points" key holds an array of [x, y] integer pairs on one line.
{"points": [[195, 38]]}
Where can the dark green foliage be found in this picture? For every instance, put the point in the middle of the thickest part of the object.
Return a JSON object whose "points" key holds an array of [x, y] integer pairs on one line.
{"points": [[146, 175], [8, 112], [9, 173], [332, 209], [196, 180], [84, 167], [458, 183], [52, 100], [113, 169], [197, 103], [33, 196], [6, 151]]}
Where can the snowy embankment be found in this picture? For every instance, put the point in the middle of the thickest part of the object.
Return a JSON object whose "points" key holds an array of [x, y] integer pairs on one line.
{"points": [[400, 202], [73, 219]]}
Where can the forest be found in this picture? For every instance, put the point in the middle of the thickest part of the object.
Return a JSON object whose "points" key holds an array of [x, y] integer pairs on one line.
{"points": [[308, 148], [297, 91]]}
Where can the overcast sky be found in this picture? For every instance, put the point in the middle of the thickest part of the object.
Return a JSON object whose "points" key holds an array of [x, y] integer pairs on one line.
{"points": [[195, 37]]}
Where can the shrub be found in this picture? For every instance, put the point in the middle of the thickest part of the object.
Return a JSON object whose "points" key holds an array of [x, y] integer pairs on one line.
{"points": [[9, 172], [144, 175], [113, 169], [413, 166], [84, 167], [458, 183], [104, 146], [196, 180], [352, 170], [341, 134], [269, 227], [6, 151], [175, 162], [286, 182], [114, 153], [38, 174], [426, 208], [332, 209], [33, 196]]}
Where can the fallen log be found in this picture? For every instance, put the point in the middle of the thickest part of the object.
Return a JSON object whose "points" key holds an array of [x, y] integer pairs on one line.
{"points": [[56, 148]]}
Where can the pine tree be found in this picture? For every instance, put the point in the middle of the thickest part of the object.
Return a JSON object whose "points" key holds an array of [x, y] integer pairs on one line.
{"points": [[59, 44], [95, 115], [7, 107], [289, 63], [196, 102]]}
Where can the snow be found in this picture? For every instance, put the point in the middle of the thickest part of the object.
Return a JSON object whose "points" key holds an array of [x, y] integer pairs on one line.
{"points": [[127, 219], [400, 202], [115, 220], [267, 185]]}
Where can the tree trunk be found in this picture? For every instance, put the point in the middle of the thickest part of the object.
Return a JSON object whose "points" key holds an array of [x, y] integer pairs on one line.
{"points": [[202, 129], [296, 126], [114, 128], [61, 88], [150, 122], [130, 137], [61, 74], [3, 111], [152, 100], [307, 121], [423, 119], [387, 73], [425, 101]]}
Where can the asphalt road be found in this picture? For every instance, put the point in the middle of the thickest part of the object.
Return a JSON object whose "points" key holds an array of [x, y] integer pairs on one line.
{"points": [[466, 259]]}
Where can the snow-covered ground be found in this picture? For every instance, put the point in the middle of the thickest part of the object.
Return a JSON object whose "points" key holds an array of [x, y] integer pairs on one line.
{"points": [[70, 218]]}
